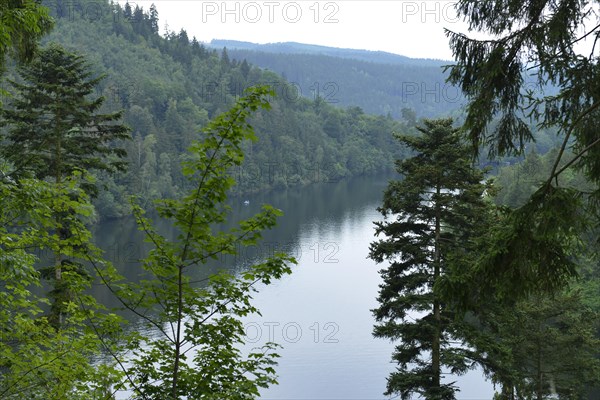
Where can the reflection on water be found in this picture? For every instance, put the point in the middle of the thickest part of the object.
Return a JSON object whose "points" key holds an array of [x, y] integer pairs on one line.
{"points": [[320, 313]]}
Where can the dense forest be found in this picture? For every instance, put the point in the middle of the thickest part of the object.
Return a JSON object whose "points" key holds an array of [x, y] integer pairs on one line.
{"points": [[378, 82], [308, 137], [380, 85], [495, 269], [169, 87]]}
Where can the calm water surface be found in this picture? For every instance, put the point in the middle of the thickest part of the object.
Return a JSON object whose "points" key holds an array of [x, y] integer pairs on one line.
{"points": [[320, 313]]}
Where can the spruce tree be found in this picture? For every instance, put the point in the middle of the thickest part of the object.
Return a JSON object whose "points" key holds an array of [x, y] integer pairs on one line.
{"points": [[431, 216], [55, 126], [128, 12], [154, 18]]}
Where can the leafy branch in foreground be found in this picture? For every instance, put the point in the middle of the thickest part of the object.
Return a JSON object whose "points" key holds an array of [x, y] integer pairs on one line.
{"points": [[37, 360], [194, 351], [22, 23]]}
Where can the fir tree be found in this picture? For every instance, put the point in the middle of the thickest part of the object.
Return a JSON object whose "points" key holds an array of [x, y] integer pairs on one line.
{"points": [[54, 127], [550, 347], [154, 18], [431, 217], [128, 12], [245, 68]]}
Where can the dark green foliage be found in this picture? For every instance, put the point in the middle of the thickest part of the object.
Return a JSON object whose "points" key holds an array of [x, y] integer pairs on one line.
{"points": [[532, 347], [541, 33], [43, 358], [518, 182], [432, 217], [54, 128], [37, 360], [541, 346], [537, 246], [532, 337], [22, 24]]}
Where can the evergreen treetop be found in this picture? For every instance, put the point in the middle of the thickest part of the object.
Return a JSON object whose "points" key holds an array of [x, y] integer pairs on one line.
{"points": [[55, 125]]}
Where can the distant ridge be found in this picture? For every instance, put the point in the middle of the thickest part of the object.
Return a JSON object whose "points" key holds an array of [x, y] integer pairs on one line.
{"points": [[378, 82], [380, 57]]}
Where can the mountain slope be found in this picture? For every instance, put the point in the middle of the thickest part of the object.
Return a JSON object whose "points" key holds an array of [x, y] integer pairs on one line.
{"points": [[171, 86], [380, 83]]}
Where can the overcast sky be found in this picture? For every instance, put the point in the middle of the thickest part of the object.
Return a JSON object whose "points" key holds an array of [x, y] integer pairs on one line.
{"points": [[410, 28]]}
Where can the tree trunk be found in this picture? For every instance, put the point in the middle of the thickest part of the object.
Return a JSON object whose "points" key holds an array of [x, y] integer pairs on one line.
{"points": [[435, 345], [540, 375], [59, 222], [178, 339]]}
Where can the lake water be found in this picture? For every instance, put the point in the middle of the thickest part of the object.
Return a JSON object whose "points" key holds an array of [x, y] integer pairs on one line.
{"points": [[320, 313]]}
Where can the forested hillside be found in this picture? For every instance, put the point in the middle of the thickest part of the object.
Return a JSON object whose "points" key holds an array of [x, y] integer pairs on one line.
{"points": [[380, 83], [169, 87], [319, 129]]}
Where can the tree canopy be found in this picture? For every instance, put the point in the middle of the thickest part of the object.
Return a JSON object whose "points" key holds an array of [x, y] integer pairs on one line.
{"points": [[54, 127]]}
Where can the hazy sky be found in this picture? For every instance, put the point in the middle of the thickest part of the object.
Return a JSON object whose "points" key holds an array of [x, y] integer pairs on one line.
{"points": [[411, 28]]}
